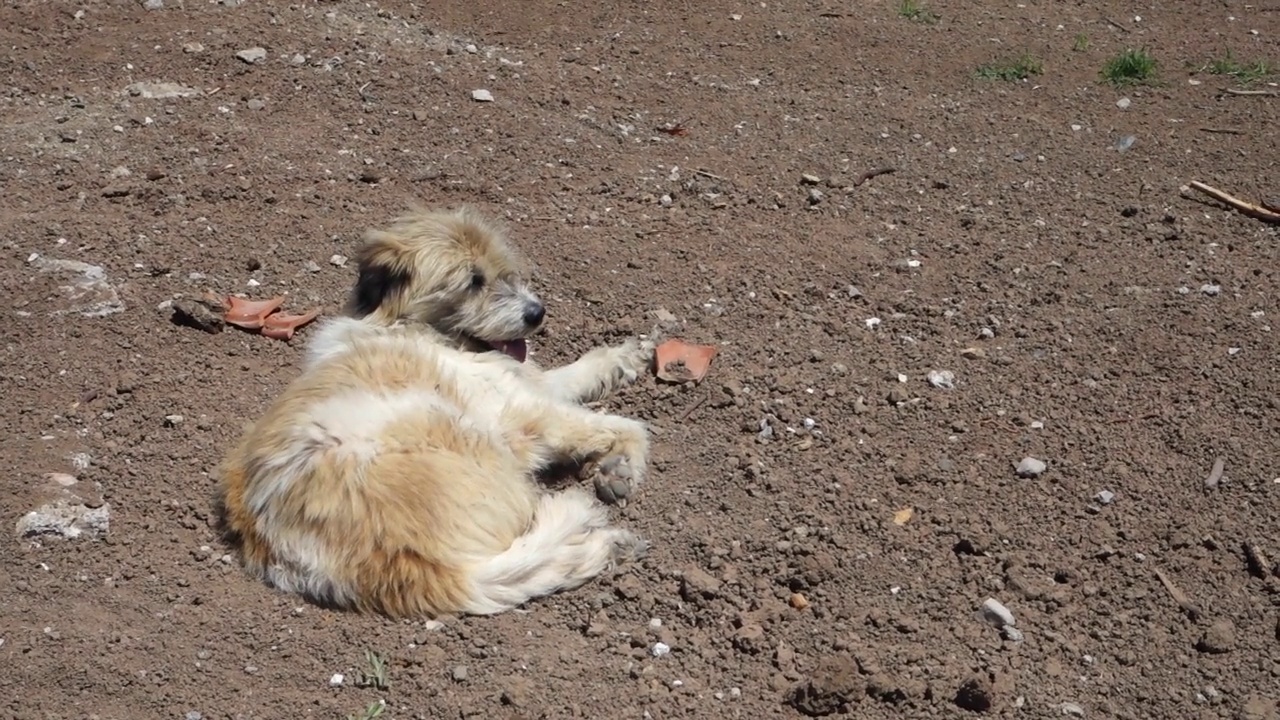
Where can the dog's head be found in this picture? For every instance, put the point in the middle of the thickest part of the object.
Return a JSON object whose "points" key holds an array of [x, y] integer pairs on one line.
{"points": [[454, 271]]}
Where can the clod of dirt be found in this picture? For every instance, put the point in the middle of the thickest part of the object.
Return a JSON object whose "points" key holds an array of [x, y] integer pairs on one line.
{"points": [[1030, 467], [679, 362], [833, 686], [1257, 707], [976, 694], [253, 55], [697, 583], [903, 516], [1218, 638], [197, 314]]}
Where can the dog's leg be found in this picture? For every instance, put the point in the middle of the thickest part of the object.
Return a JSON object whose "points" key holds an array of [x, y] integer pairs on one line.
{"points": [[620, 445], [600, 372]]}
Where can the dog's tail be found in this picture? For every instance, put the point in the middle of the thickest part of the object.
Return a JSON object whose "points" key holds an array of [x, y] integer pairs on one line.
{"points": [[568, 543]]}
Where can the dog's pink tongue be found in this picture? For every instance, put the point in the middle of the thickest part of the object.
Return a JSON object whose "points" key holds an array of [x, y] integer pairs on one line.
{"points": [[518, 349]]}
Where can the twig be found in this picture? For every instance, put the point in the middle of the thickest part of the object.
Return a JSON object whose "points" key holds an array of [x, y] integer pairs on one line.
{"points": [[691, 409], [361, 90], [1246, 208], [872, 173], [1267, 93], [713, 176], [1178, 596], [1258, 563], [1114, 24], [1215, 475], [1222, 131]]}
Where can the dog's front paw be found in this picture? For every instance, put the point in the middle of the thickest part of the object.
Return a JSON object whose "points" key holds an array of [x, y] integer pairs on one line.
{"points": [[634, 357], [616, 479]]}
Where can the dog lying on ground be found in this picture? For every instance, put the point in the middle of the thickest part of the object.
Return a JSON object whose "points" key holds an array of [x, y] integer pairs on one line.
{"points": [[397, 474]]}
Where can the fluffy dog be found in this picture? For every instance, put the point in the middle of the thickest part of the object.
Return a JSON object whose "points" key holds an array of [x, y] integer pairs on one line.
{"points": [[398, 473]]}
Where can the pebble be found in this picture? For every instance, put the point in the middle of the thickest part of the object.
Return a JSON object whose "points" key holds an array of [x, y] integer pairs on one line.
{"points": [[1105, 497], [338, 260], [253, 55], [256, 104], [1031, 467], [944, 379], [659, 649], [1124, 103], [1218, 638], [153, 5], [192, 47], [897, 396], [482, 95], [1125, 142], [815, 196], [193, 715], [173, 420], [994, 612], [336, 680], [459, 673], [311, 266], [1071, 709], [809, 179], [1210, 290]]}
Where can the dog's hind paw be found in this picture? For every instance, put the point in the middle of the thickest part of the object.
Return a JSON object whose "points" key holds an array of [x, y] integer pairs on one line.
{"points": [[634, 357], [615, 480]]}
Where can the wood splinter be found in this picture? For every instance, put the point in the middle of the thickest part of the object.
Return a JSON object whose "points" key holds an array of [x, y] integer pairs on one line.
{"points": [[1254, 211], [1178, 596]]}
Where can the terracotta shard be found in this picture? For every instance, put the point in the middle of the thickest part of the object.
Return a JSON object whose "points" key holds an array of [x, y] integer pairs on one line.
{"points": [[678, 361], [281, 326], [250, 314]]}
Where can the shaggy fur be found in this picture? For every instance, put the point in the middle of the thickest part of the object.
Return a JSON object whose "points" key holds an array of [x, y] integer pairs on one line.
{"points": [[397, 474]]}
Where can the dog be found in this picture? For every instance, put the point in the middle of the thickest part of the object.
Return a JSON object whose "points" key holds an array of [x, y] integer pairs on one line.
{"points": [[399, 473]]}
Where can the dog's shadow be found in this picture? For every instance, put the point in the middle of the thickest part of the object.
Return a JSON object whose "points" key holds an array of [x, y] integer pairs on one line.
{"points": [[563, 474]]}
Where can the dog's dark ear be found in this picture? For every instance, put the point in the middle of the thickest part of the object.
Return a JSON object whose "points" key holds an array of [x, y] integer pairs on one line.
{"points": [[383, 274]]}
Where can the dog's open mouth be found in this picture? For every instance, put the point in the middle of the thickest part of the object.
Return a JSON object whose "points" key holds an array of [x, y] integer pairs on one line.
{"points": [[518, 348]]}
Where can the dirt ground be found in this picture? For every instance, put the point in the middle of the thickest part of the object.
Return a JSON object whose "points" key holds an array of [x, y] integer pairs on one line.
{"points": [[826, 522]]}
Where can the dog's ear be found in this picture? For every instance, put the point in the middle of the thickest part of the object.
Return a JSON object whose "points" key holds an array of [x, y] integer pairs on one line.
{"points": [[384, 271]]}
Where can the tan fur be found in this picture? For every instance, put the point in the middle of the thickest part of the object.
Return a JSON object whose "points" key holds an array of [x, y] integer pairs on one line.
{"points": [[397, 474]]}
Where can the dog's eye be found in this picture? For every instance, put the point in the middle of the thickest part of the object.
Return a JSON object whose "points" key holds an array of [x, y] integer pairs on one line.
{"points": [[477, 280]]}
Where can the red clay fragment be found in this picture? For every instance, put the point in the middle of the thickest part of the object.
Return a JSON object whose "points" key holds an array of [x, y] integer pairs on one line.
{"points": [[678, 361], [250, 314], [281, 326]]}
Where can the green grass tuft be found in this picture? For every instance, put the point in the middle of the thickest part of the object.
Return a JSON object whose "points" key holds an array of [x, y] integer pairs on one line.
{"points": [[1011, 69], [913, 10], [1243, 72], [1130, 67]]}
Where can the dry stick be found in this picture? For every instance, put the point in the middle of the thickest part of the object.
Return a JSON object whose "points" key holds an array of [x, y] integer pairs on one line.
{"points": [[1178, 596], [1267, 93], [1247, 208], [1215, 475], [1222, 131], [713, 176], [872, 173], [692, 409]]}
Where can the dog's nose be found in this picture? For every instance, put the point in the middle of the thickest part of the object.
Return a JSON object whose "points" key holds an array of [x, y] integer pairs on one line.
{"points": [[533, 314]]}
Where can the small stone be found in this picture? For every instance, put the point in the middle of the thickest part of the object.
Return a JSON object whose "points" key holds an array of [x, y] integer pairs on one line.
{"points": [[834, 687], [172, 420], [192, 48], [311, 266], [1125, 142], [659, 649], [1071, 709], [973, 353], [994, 612], [1219, 638], [153, 5], [1105, 497], [256, 104], [482, 95], [459, 673], [253, 55], [193, 715], [338, 260], [815, 196], [1012, 634], [853, 291], [471, 48], [1210, 290], [1031, 468], [336, 680], [196, 314], [1124, 103], [897, 396], [808, 179], [798, 601]]}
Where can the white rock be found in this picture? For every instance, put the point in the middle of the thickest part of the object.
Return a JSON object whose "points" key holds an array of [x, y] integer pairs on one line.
{"points": [[994, 612], [872, 323], [69, 509], [87, 291], [1124, 103], [944, 379], [1105, 497], [338, 260], [659, 649], [160, 90], [252, 55], [482, 95], [336, 680], [1031, 467]]}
